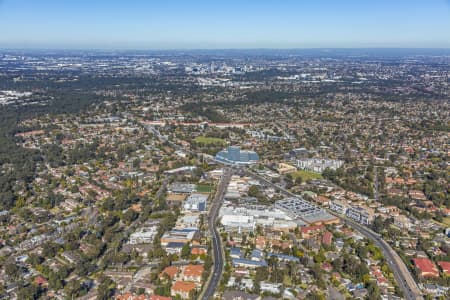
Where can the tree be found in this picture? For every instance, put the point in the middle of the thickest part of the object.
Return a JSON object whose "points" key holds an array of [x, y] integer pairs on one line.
{"points": [[12, 270], [374, 291], [256, 287], [319, 257], [129, 216], [185, 251], [208, 262], [261, 274], [105, 289], [362, 251], [378, 224], [54, 281], [29, 292], [72, 289], [337, 264], [253, 191]]}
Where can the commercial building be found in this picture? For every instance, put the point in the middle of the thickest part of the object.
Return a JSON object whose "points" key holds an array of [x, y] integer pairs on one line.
{"points": [[298, 208], [188, 221], [318, 164], [196, 202], [179, 236], [245, 218], [238, 223], [234, 155]]}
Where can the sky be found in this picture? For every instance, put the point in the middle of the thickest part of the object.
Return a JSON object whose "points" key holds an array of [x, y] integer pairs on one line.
{"points": [[224, 24]]}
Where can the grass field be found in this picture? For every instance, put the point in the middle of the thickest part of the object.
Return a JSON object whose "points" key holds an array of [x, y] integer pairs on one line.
{"points": [[446, 221], [305, 175], [208, 140], [203, 188]]}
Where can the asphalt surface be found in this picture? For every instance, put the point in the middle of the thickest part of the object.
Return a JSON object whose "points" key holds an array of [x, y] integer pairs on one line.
{"points": [[402, 275], [216, 240]]}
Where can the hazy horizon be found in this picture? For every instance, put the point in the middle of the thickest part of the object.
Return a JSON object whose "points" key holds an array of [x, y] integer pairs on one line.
{"points": [[181, 25]]}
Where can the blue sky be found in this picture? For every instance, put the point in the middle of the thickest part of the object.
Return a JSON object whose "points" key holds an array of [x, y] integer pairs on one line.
{"points": [[169, 24]]}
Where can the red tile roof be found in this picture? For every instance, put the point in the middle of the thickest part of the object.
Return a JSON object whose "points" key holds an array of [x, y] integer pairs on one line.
{"points": [[170, 271], [309, 229], [327, 237], [183, 287], [130, 296], [445, 266], [427, 267], [39, 280], [193, 270], [198, 251], [156, 297]]}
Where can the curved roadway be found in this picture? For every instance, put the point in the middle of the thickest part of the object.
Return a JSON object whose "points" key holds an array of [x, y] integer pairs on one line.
{"points": [[401, 273]]}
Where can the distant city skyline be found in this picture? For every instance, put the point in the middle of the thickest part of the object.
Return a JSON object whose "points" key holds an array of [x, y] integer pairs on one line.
{"points": [[175, 24]]}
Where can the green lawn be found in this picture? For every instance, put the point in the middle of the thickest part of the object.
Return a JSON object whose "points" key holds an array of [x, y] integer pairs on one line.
{"points": [[305, 175], [204, 188], [209, 140]]}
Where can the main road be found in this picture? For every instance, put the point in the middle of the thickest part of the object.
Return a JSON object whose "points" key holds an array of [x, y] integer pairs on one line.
{"points": [[402, 275], [215, 237]]}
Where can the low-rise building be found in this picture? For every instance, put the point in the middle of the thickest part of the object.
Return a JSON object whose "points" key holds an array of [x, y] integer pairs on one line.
{"points": [[338, 206], [242, 262], [144, 235], [426, 268], [445, 266], [182, 288], [181, 188], [319, 164], [170, 272], [238, 223], [184, 236], [193, 273], [361, 214], [284, 168], [274, 288], [196, 202]]}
